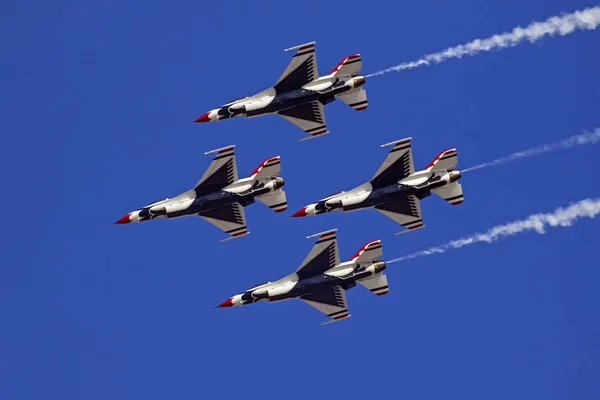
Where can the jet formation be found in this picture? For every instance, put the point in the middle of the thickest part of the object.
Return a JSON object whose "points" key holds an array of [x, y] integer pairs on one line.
{"points": [[396, 189], [220, 196], [300, 94], [321, 280]]}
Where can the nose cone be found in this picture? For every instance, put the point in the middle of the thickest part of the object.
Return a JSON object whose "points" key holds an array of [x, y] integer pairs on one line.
{"points": [[300, 213], [203, 118], [124, 219], [279, 182], [226, 303]]}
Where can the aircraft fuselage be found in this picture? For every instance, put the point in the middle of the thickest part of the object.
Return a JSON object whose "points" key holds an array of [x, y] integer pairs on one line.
{"points": [[269, 101], [366, 196], [294, 286], [194, 202]]}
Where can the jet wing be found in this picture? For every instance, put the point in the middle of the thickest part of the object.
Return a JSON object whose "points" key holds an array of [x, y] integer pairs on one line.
{"points": [[220, 173], [323, 256], [300, 71], [230, 219], [331, 302], [309, 117], [406, 212], [397, 166]]}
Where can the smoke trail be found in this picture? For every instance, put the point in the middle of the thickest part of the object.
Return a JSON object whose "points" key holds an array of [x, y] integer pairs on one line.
{"points": [[561, 217], [577, 140], [588, 19]]}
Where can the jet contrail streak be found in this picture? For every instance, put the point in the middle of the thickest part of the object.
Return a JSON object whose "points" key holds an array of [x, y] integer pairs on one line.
{"points": [[577, 140], [587, 19], [561, 217]]}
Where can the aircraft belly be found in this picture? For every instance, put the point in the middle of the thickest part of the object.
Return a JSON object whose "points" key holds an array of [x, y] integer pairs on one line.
{"points": [[286, 102], [358, 200], [213, 201]]}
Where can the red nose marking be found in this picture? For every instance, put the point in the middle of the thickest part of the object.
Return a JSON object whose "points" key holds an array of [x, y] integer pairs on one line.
{"points": [[226, 303], [300, 213], [203, 118], [124, 219]]}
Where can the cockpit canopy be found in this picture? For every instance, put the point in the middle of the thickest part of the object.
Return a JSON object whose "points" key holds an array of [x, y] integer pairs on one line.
{"points": [[332, 194], [259, 285]]}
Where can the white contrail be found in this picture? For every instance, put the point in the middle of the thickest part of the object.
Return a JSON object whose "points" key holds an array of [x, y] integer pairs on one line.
{"points": [[587, 19], [561, 217], [577, 140]]}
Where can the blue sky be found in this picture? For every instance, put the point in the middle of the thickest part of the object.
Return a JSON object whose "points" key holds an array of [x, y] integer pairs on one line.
{"points": [[96, 106]]}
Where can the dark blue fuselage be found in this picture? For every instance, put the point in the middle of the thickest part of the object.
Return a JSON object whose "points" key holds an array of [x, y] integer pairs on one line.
{"points": [[310, 285], [287, 100], [383, 195], [205, 202]]}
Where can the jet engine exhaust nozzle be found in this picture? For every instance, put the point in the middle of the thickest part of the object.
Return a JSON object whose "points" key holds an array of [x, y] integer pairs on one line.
{"points": [[279, 182], [358, 81], [454, 175], [380, 266], [377, 267]]}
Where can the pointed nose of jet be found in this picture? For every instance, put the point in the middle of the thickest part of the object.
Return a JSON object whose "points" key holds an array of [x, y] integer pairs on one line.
{"points": [[226, 303], [124, 219], [300, 213], [203, 118]]}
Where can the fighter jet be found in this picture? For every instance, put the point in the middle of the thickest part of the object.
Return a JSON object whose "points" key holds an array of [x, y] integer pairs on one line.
{"points": [[220, 197], [322, 281], [396, 188], [300, 94]]}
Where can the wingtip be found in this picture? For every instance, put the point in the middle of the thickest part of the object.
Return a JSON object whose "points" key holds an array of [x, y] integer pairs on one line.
{"points": [[399, 141], [409, 230], [300, 46], [221, 149]]}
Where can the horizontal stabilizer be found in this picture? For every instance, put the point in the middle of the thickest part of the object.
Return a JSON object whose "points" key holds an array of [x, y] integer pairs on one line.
{"points": [[445, 160], [356, 99], [276, 201], [377, 284], [452, 193], [370, 251]]}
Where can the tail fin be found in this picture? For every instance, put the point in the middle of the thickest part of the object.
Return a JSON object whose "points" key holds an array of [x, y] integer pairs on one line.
{"points": [[369, 252], [452, 193], [276, 201], [445, 160], [348, 66], [269, 167]]}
